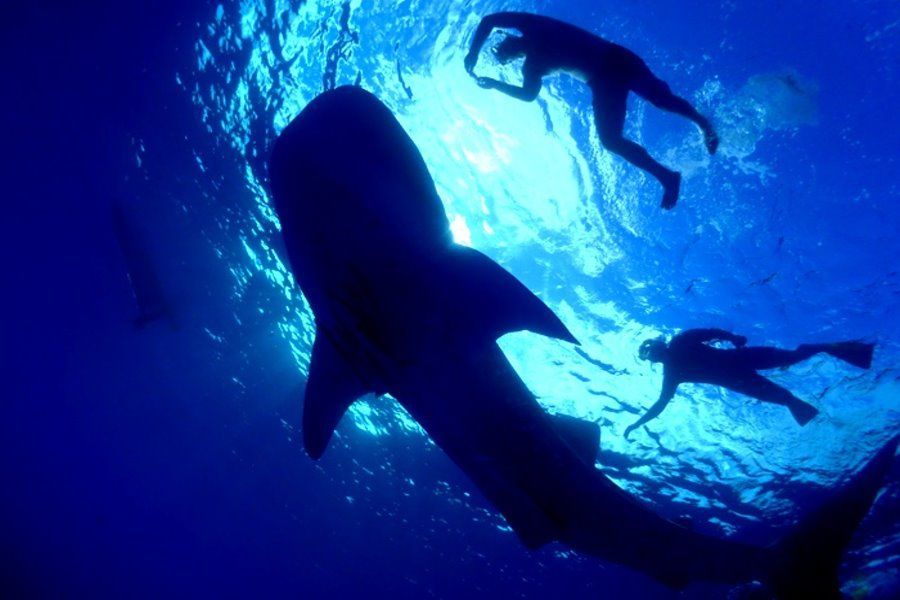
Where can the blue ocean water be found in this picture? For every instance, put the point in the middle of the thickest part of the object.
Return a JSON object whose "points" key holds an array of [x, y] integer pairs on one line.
{"points": [[167, 459]]}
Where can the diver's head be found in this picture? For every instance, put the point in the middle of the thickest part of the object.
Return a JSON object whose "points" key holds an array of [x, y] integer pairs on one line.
{"points": [[653, 350], [510, 48]]}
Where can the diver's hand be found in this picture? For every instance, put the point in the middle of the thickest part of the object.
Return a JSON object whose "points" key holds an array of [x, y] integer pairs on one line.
{"points": [[469, 62], [485, 82], [739, 341]]}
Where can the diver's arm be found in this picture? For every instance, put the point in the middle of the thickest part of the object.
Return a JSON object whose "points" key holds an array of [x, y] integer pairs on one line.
{"points": [[481, 34], [531, 84], [526, 93], [699, 336], [668, 392]]}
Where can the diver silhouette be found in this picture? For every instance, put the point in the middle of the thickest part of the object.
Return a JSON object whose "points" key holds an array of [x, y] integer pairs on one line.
{"points": [[689, 359], [610, 70]]}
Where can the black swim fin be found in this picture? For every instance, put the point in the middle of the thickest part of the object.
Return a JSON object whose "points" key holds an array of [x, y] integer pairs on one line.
{"points": [[858, 354], [806, 562], [802, 412]]}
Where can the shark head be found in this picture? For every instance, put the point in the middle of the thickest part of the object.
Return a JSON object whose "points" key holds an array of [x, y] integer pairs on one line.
{"points": [[370, 246]]}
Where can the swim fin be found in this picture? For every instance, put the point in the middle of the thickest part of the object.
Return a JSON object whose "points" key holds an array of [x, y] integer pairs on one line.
{"points": [[858, 354], [802, 412]]}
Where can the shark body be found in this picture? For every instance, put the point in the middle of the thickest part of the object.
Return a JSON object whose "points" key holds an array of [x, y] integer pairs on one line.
{"points": [[401, 309]]}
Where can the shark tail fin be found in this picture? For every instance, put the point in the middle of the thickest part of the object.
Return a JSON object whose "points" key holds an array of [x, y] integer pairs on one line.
{"points": [[493, 302], [331, 388], [807, 561]]}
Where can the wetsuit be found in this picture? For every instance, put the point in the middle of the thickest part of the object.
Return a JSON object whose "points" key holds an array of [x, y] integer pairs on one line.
{"points": [[610, 70], [689, 359]]}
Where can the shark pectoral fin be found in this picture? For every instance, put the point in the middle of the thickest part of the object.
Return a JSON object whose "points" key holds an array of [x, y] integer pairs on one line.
{"points": [[582, 436], [493, 300], [330, 390]]}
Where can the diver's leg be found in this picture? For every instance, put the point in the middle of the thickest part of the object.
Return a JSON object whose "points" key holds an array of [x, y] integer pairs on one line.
{"points": [[757, 386], [761, 358], [656, 91], [609, 112], [858, 354]]}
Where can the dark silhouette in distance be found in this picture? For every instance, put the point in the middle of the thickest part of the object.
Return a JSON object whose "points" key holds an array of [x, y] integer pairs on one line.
{"points": [[400, 309], [143, 274], [688, 358], [610, 70]]}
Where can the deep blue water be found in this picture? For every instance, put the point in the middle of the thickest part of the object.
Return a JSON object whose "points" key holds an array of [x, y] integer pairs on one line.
{"points": [[167, 460]]}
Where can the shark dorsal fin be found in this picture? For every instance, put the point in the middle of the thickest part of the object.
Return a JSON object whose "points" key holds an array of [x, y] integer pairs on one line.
{"points": [[330, 390]]}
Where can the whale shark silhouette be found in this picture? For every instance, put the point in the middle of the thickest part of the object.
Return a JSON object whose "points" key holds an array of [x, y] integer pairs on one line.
{"points": [[400, 309]]}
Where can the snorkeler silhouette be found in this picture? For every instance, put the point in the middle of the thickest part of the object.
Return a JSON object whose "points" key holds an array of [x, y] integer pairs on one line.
{"points": [[611, 71], [688, 359]]}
